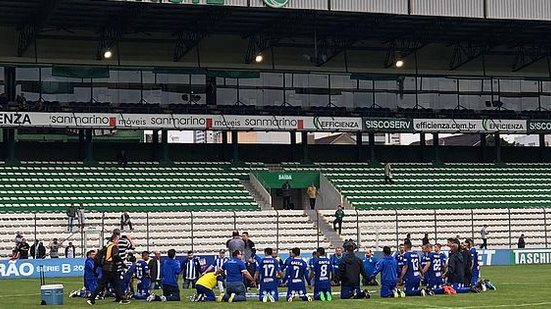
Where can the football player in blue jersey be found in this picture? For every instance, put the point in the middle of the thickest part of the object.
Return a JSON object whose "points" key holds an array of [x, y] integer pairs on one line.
{"points": [[144, 280], [387, 266], [321, 274], [411, 273], [297, 275], [268, 273]]}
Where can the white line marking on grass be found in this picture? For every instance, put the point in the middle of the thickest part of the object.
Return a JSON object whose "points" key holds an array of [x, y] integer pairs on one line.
{"points": [[501, 306], [403, 304], [15, 295]]}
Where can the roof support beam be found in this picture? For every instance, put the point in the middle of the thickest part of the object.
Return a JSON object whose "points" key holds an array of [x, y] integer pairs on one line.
{"points": [[186, 40], [29, 31], [401, 48], [467, 51], [528, 55], [118, 26]]}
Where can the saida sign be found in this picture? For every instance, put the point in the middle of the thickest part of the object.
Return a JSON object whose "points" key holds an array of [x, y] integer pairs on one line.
{"points": [[276, 3]]}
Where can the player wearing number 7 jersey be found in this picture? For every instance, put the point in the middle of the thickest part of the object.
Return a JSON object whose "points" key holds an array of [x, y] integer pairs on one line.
{"points": [[322, 274], [297, 274], [269, 272]]}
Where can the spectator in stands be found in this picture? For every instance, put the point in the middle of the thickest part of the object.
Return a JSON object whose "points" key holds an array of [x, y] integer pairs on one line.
{"points": [[286, 192], [33, 249], [122, 158], [339, 215], [23, 249], [70, 251], [71, 214], [425, 240], [236, 243], [21, 102], [80, 217], [249, 250], [54, 248], [154, 265], [40, 251], [312, 193], [370, 261], [191, 269], [18, 238], [388, 173], [484, 236], [125, 220], [407, 240], [521, 243]]}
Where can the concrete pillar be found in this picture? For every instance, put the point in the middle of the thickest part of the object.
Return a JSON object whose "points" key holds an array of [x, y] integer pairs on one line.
{"points": [[542, 147], [305, 158], [483, 144], [10, 83], [292, 149], [165, 156], [436, 147], [235, 146], [422, 145], [155, 145], [88, 147], [497, 140], [10, 146], [359, 144], [372, 157]]}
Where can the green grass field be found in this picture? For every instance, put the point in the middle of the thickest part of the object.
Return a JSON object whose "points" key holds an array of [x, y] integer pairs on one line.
{"points": [[517, 286]]}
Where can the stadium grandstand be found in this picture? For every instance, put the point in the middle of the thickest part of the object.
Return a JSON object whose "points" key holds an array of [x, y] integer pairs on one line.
{"points": [[96, 99]]}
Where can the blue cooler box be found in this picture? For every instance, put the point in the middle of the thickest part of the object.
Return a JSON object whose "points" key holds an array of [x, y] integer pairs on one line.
{"points": [[52, 294]]}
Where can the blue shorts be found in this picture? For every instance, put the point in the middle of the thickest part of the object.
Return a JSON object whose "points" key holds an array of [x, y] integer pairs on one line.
{"points": [[388, 288], [297, 288], [90, 285], [268, 289], [209, 294], [144, 284], [321, 288], [412, 285]]}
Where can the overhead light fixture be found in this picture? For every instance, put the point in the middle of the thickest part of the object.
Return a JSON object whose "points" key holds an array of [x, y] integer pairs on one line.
{"points": [[259, 58], [107, 54], [399, 63]]}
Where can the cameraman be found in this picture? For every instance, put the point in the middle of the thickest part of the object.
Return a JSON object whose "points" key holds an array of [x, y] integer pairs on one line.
{"points": [[349, 272]]}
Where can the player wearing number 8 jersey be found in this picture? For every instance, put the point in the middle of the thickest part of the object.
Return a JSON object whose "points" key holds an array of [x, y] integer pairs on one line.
{"points": [[269, 272], [322, 274]]}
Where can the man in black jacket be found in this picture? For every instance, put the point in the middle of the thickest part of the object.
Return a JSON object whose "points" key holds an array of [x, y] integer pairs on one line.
{"points": [[456, 269], [40, 251], [350, 269], [154, 265], [109, 260], [468, 264]]}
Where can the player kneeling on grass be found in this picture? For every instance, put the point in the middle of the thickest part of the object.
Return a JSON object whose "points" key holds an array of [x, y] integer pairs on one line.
{"points": [[432, 270], [91, 275], [235, 271], [143, 276], [411, 273], [350, 269], [205, 285], [269, 273], [297, 275], [169, 274], [387, 266], [322, 270]]}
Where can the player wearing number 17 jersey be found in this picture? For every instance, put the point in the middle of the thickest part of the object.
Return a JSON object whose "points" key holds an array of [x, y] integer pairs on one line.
{"points": [[269, 272], [322, 269]]}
